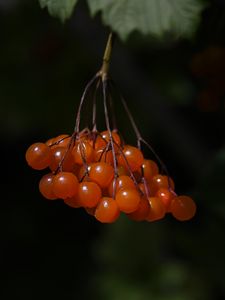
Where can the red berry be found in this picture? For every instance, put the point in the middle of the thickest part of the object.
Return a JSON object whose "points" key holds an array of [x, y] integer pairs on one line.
{"points": [[65, 185], [58, 154], [73, 202], [122, 182], [102, 141], [157, 209], [183, 208], [46, 185], [39, 156], [101, 173], [141, 213], [89, 194], [107, 210], [128, 200], [83, 152], [166, 196], [150, 169], [160, 181], [134, 158]]}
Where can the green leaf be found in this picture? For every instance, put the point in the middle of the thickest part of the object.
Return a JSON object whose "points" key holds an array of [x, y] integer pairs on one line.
{"points": [[62, 9], [154, 17]]}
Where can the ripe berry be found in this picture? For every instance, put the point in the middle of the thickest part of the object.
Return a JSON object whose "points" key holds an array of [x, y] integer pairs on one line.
{"points": [[83, 152], [160, 181], [46, 185], [103, 140], [58, 154], [157, 209], [61, 140], [89, 194], [128, 200], [150, 169], [39, 156], [104, 156], [183, 208], [122, 182], [134, 158], [141, 213], [101, 173], [65, 185], [73, 202], [166, 196], [107, 210]]}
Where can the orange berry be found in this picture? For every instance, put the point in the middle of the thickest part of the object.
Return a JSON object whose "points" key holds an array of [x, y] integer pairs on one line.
{"points": [[103, 140], [150, 169], [58, 154], [160, 181], [128, 200], [101, 173], [141, 213], [45, 186], [50, 142], [39, 156], [65, 185], [73, 202], [134, 158], [122, 182], [122, 171], [83, 152], [82, 172], [89, 194], [166, 196], [62, 140], [183, 208], [107, 210], [157, 209], [104, 156]]}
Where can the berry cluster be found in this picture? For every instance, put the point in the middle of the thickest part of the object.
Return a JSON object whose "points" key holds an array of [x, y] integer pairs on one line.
{"points": [[99, 172]]}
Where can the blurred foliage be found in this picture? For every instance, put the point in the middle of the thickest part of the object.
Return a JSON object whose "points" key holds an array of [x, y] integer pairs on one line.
{"points": [[50, 250]]}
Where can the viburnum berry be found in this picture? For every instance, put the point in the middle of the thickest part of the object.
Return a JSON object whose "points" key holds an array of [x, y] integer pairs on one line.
{"points": [[142, 211], [107, 210], [101, 173], [65, 185], [183, 208], [166, 196], [103, 139], [46, 186], [128, 200], [39, 156], [83, 152], [102, 155], [73, 202], [132, 157], [160, 181], [157, 209], [122, 182], [63, 156], [89, 194], [150, 169]]}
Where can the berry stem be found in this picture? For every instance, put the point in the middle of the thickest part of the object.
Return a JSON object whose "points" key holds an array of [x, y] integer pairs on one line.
{"points": [[107, 56]]}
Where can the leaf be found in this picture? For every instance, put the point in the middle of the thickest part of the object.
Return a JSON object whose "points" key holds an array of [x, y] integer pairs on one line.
{"points": [[62, 9], [154, 17]]}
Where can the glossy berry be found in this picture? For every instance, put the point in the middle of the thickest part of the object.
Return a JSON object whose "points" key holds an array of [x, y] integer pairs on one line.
{"points": [[128, 200], [107, 210], [61, 140], [83, 152], [59, 154], [133, 156], [141, 213], [46, 186], [160, 181], [102, 141], [183, 208], [73, 202], [65, 185], [157, 209], [122, 182], [166, 196], [102, 174], [150, 169], [102, 155], [39, 156], [83, 173], [89, 194]]}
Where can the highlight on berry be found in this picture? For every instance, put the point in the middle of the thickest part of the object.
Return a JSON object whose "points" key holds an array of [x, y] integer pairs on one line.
{"points": [[99, 172]]}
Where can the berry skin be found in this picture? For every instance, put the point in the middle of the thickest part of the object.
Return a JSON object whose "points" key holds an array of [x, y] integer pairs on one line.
{"points": [[89, 194], [102, 174], [122, 182], [73, 202], [65, 185], [83, 152], [157, 209], [46, 185], [142, 211], [82, 172], [150, 169], [128, 200], [104, 156], [61, 140], [103, 140], [166, 196], [160, 181], [183, 208], [38, 156], [58, 154], [107, 210], [133, 156]]}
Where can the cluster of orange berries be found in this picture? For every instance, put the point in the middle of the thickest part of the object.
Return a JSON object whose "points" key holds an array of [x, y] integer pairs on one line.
{"points": [[100, 173]]}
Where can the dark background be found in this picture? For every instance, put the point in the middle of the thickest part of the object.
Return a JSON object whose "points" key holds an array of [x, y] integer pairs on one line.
{"points": [[176, 92]]}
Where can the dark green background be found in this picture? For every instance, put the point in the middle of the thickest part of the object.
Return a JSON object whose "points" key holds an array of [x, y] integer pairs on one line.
{"points": [[50, 251]]}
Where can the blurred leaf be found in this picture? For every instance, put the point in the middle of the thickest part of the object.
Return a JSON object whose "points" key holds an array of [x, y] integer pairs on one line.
{"points": [[58, 8], [155, 17]]}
